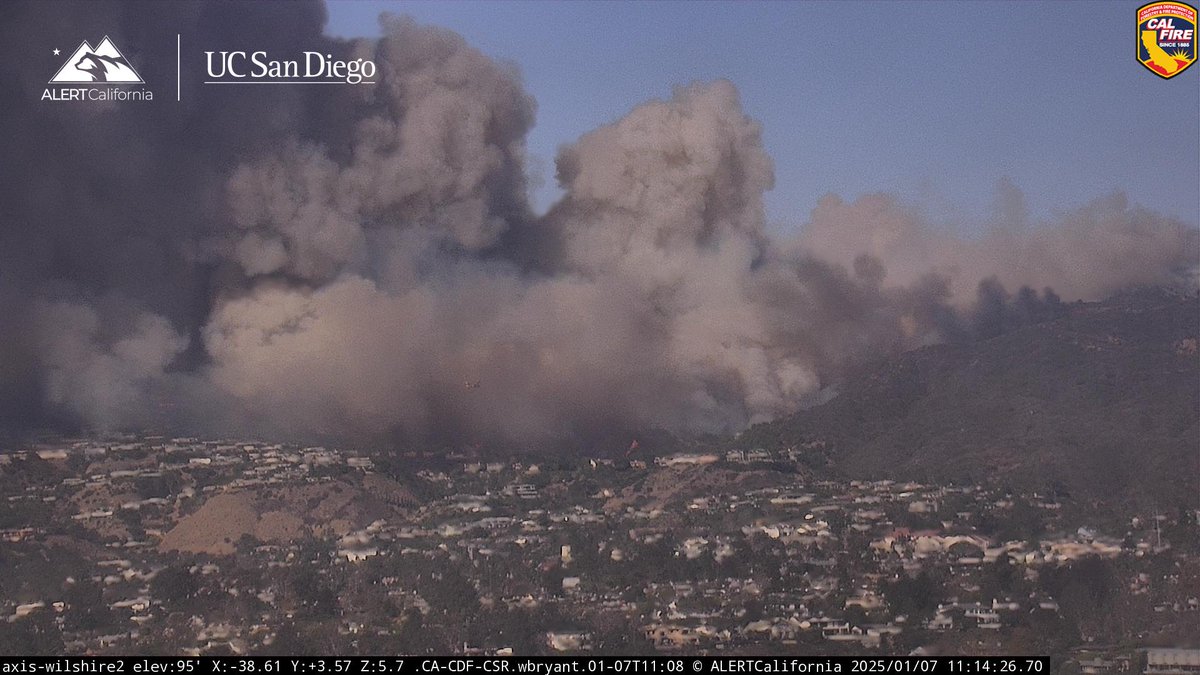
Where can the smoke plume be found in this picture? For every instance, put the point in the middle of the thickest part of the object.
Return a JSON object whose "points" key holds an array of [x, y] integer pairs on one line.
{"points": [[363, 262]]}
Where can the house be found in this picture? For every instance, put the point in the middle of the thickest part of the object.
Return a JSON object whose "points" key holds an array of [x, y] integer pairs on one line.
{"points": [[138, 604], [671, 636], [694, 547], [758, 455], [569, 641], [865, 599], [842, 631], [685, 460], [791, 499], [363, 463], [940, 622], [28, 608], [921, 507], [357, 554], [1167, 661]]}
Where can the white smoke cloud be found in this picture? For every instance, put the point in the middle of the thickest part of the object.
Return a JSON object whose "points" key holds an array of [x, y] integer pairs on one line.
{"points": [[366, 264], [1086, 254], [108, 379]]}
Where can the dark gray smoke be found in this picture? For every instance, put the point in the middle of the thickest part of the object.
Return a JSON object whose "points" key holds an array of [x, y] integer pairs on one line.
{"points": [[363, 261]]}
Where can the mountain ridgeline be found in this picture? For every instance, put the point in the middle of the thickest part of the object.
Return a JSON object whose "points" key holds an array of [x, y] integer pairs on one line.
{"points": [[1102, 402]]}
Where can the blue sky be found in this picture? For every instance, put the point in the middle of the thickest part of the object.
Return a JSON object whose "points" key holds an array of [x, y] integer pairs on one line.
{"points": [[934, 101]]}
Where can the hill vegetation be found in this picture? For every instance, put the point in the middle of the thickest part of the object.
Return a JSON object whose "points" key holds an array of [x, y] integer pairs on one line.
{"points": [[1102, 402]]}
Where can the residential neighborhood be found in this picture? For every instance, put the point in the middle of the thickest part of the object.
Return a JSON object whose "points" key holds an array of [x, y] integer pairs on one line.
{"points": [[183, 545]]}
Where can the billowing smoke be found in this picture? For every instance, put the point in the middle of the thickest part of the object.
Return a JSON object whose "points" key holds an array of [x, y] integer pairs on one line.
{"points": [[363, 262]]}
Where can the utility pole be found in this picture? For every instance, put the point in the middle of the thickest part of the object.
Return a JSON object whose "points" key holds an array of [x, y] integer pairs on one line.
{"points": [[1157, 530]]}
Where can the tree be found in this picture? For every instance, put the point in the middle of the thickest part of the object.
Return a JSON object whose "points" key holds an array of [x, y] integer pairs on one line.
{"points": [[314, 592], [1083, 588], [34, 635], [917, 597], [161, 486], [246, 544], [999, 578], [85, 607], [174, 585], [452, 592]]}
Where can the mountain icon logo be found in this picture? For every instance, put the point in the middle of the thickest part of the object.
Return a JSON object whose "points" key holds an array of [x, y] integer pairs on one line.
{"points": [[104, 64]]}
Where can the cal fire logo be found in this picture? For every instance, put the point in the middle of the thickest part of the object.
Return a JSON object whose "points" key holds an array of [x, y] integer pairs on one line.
{"points": [[103, 64], [1166, 37]]}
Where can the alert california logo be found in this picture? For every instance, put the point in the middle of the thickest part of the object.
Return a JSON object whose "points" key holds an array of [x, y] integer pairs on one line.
{"points": [[103, 65], [1166, 39]]}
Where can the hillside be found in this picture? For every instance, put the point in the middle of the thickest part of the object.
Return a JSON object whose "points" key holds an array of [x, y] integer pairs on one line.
{"points": [[287, 514], [1104, 402]]}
